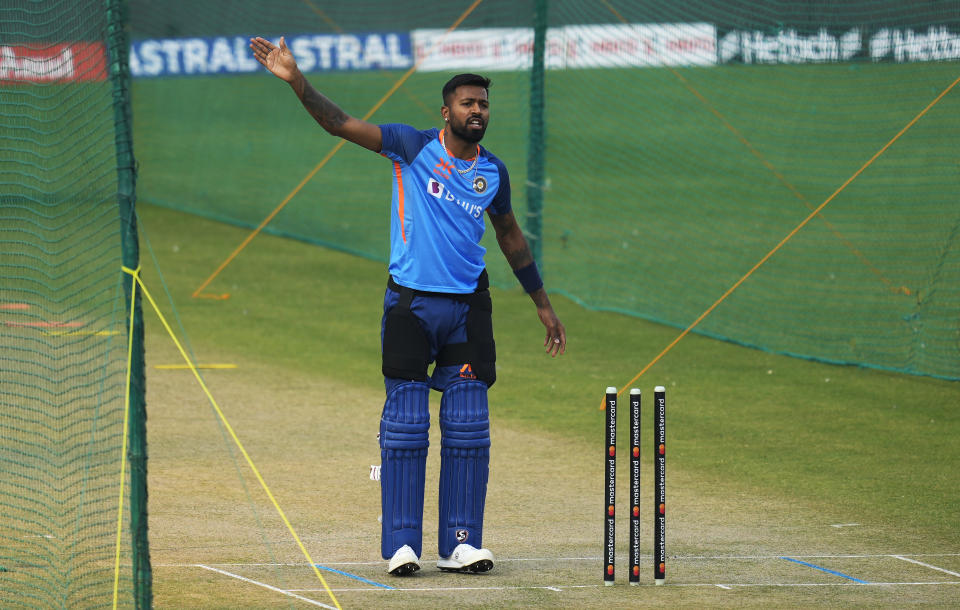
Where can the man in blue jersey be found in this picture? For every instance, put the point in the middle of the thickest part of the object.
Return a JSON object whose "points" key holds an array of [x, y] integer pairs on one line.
{"points": [[437, 309]]}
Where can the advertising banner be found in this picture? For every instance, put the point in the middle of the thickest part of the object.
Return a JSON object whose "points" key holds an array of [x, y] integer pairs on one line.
{"points": [[231, 55], [575, 46], [496, 49], [77, 61]]}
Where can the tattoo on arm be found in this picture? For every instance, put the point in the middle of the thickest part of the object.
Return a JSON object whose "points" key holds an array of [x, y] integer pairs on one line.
{"points": [[520, 257], [515, 248], [326, 113], [512, 242]]}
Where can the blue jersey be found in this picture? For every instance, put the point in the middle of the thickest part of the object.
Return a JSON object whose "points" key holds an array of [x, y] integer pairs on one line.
{"points": [[437, 215]]}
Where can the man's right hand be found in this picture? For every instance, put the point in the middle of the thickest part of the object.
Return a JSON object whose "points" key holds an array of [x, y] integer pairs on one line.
{"points": [[278, 59]]}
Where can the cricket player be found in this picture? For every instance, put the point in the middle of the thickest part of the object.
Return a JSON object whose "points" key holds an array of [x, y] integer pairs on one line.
{"points": [[437, 309]]}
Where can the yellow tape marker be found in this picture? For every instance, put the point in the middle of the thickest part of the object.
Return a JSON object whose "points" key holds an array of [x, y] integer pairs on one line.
{"points": [[186, 367]]}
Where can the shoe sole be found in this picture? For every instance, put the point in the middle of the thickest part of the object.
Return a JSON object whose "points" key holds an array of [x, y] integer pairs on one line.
{"points": [[484, 565], [405, 569]]}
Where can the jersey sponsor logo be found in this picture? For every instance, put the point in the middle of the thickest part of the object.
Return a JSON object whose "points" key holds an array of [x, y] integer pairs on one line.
{"points": [[435, 188], [466, 372], [439, 191]]}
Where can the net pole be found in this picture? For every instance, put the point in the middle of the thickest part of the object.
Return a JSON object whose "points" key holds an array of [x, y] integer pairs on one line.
{"points": [[536, 141], [118, 48]]}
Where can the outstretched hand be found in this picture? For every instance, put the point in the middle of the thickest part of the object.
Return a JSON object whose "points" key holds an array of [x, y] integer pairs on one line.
{"points": [[278, 59], [556, 339]]}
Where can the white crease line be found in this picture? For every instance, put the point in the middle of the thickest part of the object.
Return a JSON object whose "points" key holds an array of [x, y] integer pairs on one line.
{"points": [[375, 563], [597, 558], [926, 565], [265, 586], [755, 557], [557, 588], [562, 588], [817, 584]]}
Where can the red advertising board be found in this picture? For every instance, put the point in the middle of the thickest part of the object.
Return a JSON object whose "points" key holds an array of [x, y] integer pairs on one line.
{"points": [[63, 62]]}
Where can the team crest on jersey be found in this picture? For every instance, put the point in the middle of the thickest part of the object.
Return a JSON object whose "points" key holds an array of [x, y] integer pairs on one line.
{"points": [[479, 184]]}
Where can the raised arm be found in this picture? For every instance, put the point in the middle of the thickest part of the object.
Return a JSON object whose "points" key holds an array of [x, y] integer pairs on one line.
{"points": [[515, 248], [280, 61]]}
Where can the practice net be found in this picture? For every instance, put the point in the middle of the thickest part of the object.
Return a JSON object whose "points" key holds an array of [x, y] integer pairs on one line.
{"points": [[65, 308], [680, 144]]}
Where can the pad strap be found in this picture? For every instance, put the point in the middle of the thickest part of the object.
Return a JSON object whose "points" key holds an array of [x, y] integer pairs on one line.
{"points": [[480, 350]]}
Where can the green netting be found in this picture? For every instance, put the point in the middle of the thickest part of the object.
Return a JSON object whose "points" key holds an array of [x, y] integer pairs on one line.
{"points": [[681, 143], [63, 308]]}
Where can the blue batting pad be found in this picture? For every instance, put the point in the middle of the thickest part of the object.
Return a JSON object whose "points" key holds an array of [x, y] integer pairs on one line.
{"points": [[404, 439], [464, 465]]}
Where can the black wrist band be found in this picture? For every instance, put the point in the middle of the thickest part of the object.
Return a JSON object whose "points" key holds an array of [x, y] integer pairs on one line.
{"points": [[529, 277]]}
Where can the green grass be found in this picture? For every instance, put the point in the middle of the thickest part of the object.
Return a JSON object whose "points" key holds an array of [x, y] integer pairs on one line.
{"points": [[766, 452], [663, 188]]}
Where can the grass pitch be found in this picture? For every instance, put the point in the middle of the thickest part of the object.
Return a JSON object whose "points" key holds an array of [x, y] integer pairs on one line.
{"points": [[769, 457]]}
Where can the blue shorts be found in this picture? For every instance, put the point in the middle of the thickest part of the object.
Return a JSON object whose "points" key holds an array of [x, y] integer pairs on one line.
{"points": [[444, 321]]}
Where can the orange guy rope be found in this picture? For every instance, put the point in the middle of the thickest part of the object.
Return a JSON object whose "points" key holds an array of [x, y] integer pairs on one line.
{"points": [[786, 183], [316, 9], [198, 293], [789, 236], [777, 174], [336, 28]]}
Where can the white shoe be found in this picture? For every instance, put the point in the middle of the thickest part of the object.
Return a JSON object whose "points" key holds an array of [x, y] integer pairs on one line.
{"points": [[404, 562], [466, 558]]}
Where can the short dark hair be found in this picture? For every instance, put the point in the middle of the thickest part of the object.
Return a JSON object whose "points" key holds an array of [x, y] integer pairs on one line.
{"points": [[464, 79]]}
